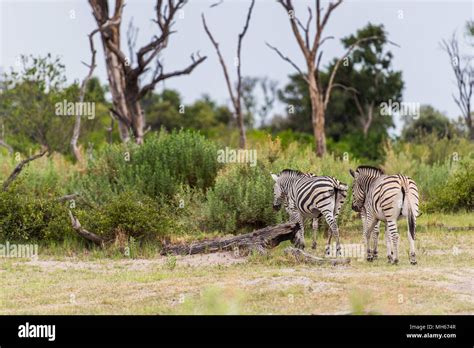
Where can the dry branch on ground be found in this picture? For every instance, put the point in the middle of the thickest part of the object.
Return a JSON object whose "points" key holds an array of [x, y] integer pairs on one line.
{"points": [[265, 238]]}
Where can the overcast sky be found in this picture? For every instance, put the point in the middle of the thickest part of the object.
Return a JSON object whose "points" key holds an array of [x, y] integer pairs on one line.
{"points": [[61, 28]]}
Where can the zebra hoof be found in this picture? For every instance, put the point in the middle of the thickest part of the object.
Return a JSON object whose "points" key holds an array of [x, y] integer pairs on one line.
{"points": [[327, 251], [413, 262], [389, 258], [299, 244], [370, 258], [395, 261], [313, 246], [375, 255]]}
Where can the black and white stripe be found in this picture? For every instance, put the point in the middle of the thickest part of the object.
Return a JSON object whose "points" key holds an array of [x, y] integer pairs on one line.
{"points": [[379, 197], [310, 196]]}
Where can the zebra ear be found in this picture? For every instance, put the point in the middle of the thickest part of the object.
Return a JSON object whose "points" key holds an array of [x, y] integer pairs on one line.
{"points": [[352, 173], [274, 177]]}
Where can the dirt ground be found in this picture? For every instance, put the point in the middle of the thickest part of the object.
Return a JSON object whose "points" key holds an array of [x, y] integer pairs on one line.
{"points": [[220, 283]]}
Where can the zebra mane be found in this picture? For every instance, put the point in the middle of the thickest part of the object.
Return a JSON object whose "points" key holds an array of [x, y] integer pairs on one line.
{"points": [[369, 168], [291, 171]]}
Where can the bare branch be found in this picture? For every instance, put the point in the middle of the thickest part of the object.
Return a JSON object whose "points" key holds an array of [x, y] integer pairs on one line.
{"points": [[321, 25], [221, 60], [285, 58], [121, 118], [288, 6], [163, 76], [5, 145], [20, 167], [132, 35], [338, 63], [76, 225], [239, 48], [82, 93]]}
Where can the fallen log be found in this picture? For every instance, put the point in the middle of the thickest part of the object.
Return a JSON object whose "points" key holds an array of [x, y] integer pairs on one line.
{"points": [[259, 240], [303, 257]]}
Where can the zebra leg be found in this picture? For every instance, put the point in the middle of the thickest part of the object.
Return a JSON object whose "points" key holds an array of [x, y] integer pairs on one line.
{"points": [[394, 238], [298, 241], [315, 232], [375, 240], [369, 225], [334, 231], [389, 244]]}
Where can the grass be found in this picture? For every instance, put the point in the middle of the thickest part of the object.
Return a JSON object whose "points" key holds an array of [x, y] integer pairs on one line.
{"points": [[96, 282]]}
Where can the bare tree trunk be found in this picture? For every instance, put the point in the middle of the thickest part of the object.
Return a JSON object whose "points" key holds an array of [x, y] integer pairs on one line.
{"points": [[77, 125], [117, 89], [125, 80], [320, 133], [241, 124], [317, 112], [312, 53]]}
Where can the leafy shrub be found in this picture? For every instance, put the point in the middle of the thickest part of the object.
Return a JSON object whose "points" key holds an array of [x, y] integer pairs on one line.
{"points": [[27, 217], [458, 191], [156, 169], [241, 198], [129, 212]]}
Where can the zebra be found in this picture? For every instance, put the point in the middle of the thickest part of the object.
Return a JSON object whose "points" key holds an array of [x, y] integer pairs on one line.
{"points": [[379, 197], [307, 195], [315, 220]]}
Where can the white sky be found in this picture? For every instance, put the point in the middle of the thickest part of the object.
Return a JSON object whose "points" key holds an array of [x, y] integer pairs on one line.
{"points": [[39, 27]]}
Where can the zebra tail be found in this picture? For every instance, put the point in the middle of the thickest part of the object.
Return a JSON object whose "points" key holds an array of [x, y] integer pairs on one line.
{"points": [[410, 215]]}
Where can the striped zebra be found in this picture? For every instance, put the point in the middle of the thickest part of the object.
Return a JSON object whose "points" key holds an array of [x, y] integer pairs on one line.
{"points": [[310, 196], [379, 197]]}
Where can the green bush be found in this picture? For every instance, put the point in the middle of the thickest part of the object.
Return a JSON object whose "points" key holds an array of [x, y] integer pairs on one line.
{"points": [[131, 213], [156, 169], [241, 199], [457, 194], [27, 217]]}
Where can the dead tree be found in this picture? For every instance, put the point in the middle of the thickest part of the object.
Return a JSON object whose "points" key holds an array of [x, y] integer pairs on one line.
{"points": [[464, 74], [82, 93], [124, 79], [311, 49], [19, 167], [235, 96]]}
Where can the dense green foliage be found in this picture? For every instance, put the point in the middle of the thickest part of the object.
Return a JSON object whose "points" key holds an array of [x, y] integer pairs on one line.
{"points": [[155, 169], [27, 217], [241, 199], [172, 185]]}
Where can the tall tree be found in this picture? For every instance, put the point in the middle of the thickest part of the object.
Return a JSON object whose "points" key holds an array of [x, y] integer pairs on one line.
{"points": [[430, 121], [464, 74], [124, 78], [369, 78], [311, 49], [235, 95]]}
